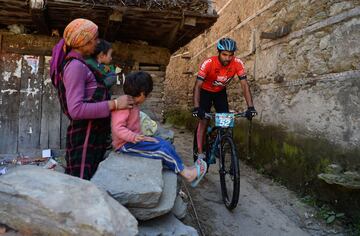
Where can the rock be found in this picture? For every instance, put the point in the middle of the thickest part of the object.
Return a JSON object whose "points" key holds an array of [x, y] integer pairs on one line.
{"points": [[334, 169], [352, 175], [166, 202], [317, 64], [17, 28], [336, 8], [346, 180], [324, 42], [180, 208], [38, 201], [132, 181], [166, 134], [344, 57], [166, 225]]}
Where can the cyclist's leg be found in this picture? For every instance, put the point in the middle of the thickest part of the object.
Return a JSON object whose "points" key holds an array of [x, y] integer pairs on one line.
{"points": [[221, 103], [205, 104], [201, 135]]}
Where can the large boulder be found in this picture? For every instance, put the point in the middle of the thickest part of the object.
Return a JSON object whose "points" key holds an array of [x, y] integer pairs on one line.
{"points": [[132, 181], [37, 201], [180, 208], [166, 225], [166, 202]]}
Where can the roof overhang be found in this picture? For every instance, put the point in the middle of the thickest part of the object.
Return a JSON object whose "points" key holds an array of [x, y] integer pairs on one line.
{"points": [[158, 27]]}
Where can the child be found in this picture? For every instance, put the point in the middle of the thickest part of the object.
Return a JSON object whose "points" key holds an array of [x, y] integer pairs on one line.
{"points": [[99, 63], [127, 137]]}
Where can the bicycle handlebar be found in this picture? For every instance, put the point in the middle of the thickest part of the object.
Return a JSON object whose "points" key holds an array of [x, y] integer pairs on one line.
{"points": [[237, 114]]}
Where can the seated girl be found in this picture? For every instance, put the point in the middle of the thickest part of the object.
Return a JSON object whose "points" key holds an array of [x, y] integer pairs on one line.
{"points": [[127, 136]]}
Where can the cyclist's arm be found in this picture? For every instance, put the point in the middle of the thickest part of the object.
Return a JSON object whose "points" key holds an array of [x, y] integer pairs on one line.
{"points": [[196, 97], [246, 90]]}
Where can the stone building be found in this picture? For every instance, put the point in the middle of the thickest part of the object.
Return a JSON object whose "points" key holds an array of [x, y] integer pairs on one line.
{"points": [[302, 60]]}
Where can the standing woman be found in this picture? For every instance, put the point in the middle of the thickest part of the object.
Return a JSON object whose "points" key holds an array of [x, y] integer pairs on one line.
{"points": [[83, 98]]}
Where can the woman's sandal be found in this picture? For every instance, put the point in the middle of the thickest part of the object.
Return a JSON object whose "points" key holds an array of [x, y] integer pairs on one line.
{"points": [[201, 168]]}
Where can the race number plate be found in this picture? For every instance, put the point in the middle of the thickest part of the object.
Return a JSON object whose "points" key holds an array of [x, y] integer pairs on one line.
{"points": [[224, 120]]}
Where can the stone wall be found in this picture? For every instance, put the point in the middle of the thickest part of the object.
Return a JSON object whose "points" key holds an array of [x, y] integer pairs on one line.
{"points": [[304, 73]]}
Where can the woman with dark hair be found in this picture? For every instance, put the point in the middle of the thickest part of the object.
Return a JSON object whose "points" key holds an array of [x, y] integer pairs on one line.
{"points": [[83, 98]]}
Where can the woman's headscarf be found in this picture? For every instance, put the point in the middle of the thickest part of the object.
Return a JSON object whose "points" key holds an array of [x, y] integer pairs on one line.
{"points": [[79, 32], [76, 34]]}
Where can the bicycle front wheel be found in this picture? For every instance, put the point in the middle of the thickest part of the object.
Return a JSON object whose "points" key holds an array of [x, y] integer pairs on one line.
{"points": [[229, 171]]}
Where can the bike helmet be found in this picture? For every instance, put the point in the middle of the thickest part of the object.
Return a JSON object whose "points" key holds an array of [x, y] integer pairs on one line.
{"points": [[226, 44]]}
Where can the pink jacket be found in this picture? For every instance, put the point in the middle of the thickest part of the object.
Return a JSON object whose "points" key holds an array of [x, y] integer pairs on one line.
{"points": [[125, 125]]}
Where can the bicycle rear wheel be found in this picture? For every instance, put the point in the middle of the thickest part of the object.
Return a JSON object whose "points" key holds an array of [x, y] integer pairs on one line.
{"points": [[229, 171]]}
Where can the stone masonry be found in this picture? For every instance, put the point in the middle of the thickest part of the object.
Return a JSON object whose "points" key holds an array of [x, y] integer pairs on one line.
{"points": [[302, 60]]}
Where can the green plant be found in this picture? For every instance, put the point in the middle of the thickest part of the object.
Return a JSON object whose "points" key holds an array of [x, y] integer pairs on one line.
{"points": [[309, 200], [181, 118], [327, 214], [357, 227]]}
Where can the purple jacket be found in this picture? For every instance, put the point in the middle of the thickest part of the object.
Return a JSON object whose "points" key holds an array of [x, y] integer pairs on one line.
{"points": [[80, 84]]}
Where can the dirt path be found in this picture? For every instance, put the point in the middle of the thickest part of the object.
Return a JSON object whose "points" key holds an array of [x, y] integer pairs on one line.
{"points": [[265, 208]]}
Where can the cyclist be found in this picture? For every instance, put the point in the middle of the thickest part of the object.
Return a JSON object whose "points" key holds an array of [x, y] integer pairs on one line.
{"points": [[210, 87]]}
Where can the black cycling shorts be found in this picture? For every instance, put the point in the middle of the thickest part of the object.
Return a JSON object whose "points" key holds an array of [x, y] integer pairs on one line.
{"points": [[218, 99]]}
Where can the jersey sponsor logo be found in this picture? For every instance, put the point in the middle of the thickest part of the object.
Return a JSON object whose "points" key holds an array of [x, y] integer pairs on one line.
{"points": [[218, 83], [221, 78], [203, 66], [222, 81]]}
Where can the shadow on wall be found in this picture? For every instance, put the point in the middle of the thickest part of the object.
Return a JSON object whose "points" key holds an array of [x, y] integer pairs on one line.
{"points": [[309, 166]]}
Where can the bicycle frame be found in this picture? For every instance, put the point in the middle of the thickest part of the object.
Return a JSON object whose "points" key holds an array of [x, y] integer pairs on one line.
{"points": [[220, 132]]}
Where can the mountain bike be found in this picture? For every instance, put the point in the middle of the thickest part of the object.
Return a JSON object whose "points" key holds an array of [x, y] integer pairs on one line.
{"points": [[219, 144]]}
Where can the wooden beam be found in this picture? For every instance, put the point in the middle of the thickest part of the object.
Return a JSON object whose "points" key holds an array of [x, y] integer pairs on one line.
{"points": [[190, 21], [113, 25], [28, 44], [36, 4], [116, 16], [211, 9], [42, 45], [144, 54], [172, 36], [37, 12]]}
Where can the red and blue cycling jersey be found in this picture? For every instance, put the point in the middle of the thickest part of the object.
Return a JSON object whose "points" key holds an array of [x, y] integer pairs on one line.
{"points": [[216, 76]]}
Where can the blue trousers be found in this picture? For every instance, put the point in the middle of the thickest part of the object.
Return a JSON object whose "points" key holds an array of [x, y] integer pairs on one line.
{"points": [[163, 150]]}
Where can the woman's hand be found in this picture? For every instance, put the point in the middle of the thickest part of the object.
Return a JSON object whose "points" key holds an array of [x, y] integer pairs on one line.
{"points": [[122, 102]]}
